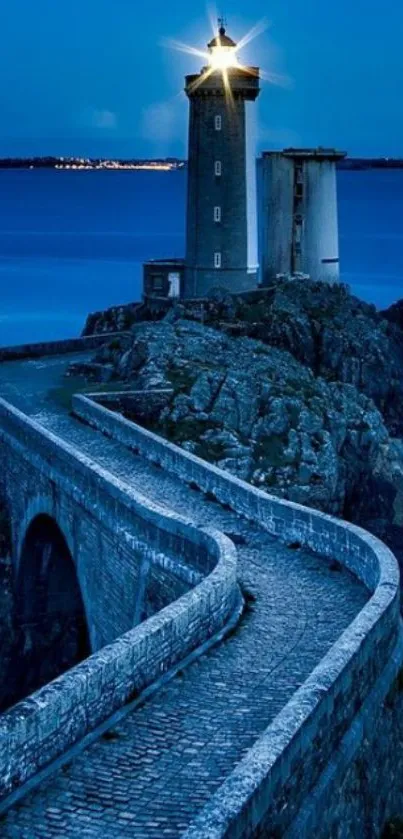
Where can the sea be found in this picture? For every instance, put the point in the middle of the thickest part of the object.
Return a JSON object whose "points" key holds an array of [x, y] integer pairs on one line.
{"points": [[73, 242]]}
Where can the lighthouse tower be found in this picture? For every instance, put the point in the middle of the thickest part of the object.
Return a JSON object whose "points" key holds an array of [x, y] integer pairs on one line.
{"points": [[221, 242]]}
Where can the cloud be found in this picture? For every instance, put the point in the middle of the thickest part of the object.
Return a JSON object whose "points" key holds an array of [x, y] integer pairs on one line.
{"points": [[158, 122], [164, 126], [99, 118], [104, 119]]}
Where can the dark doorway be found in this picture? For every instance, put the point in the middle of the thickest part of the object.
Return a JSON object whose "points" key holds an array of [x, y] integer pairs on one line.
{"points": [[50, 624]]}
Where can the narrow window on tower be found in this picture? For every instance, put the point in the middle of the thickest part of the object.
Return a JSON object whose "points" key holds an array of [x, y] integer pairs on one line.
{"points": [[218, 122], [217, 259], [217, 169], [217, 213]]}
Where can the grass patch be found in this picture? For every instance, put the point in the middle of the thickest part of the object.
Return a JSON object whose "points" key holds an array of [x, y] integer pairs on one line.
{"points": [[271, 449], [178, 432], [210, 451], [63, 395], [181, 379]]}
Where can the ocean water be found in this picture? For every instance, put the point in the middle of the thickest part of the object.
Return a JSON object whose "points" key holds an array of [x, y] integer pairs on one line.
{"points": [[74, 242]]}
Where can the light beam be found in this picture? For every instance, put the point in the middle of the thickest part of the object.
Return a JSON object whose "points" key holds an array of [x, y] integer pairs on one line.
{"points": [[221, 58]]}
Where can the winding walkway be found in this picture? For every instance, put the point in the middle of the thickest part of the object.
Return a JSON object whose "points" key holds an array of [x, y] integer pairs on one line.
{"points": [[151, 773]]}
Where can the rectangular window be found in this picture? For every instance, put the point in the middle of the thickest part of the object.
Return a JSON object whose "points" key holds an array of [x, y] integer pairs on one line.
{"points": [[158, 282], [217, 213], [217, 259], [218, 122], [217, 168]]}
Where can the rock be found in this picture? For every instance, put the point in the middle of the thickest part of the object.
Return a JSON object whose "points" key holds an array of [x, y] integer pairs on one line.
{"points": [[115, 319], [205, 390], [310, 422], [239, 466], [308, 407], [189, 446], [181, 409], [224, 438], [326, 328], [394, 314], [293, 450], [276, 420]]}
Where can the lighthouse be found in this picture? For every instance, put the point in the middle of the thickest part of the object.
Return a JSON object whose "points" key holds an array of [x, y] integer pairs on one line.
{"points": [[221, 237]]}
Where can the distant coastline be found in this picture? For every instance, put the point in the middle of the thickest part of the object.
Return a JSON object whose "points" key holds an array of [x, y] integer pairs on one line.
{"points": [[168, 164], [371, 163]]}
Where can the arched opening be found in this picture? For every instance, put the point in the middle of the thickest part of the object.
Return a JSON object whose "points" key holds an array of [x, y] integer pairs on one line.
{"points": [[50, 623]]}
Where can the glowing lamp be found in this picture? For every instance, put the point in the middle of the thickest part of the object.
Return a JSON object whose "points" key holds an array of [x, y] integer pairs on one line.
{"points": [[222, 51]]}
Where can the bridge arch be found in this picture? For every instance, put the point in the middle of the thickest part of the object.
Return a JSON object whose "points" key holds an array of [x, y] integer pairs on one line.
{"points": [[51, 622], [40, 504]]}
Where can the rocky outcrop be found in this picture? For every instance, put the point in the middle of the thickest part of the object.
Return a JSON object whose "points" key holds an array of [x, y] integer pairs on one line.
{"points": [[326, 328], [297, 388], [338, 336], [120, 318], [115, 319], [257, 411]]}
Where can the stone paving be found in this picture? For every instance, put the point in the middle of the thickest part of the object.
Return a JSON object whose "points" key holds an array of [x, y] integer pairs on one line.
{"points": [[150, 774]]}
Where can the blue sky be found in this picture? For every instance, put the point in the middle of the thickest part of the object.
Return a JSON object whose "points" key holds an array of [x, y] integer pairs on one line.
{"points": [[93, 76]]}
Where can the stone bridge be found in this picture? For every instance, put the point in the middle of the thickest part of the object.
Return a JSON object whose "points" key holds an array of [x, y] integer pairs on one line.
{"points": [[192, 715], [86, 548]]}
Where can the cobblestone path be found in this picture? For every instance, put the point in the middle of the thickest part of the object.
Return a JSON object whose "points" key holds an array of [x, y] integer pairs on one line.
{"points": [[149, 776]]}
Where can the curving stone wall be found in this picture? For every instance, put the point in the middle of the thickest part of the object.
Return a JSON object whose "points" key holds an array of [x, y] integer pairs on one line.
{"points": [[68, 345], [289, 783], [34, 732]]}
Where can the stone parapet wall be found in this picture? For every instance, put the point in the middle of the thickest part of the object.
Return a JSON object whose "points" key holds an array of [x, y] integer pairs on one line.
{"points": [[361, 787], [364, 555], [36, 731], [69, 345], [289, 762]]}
